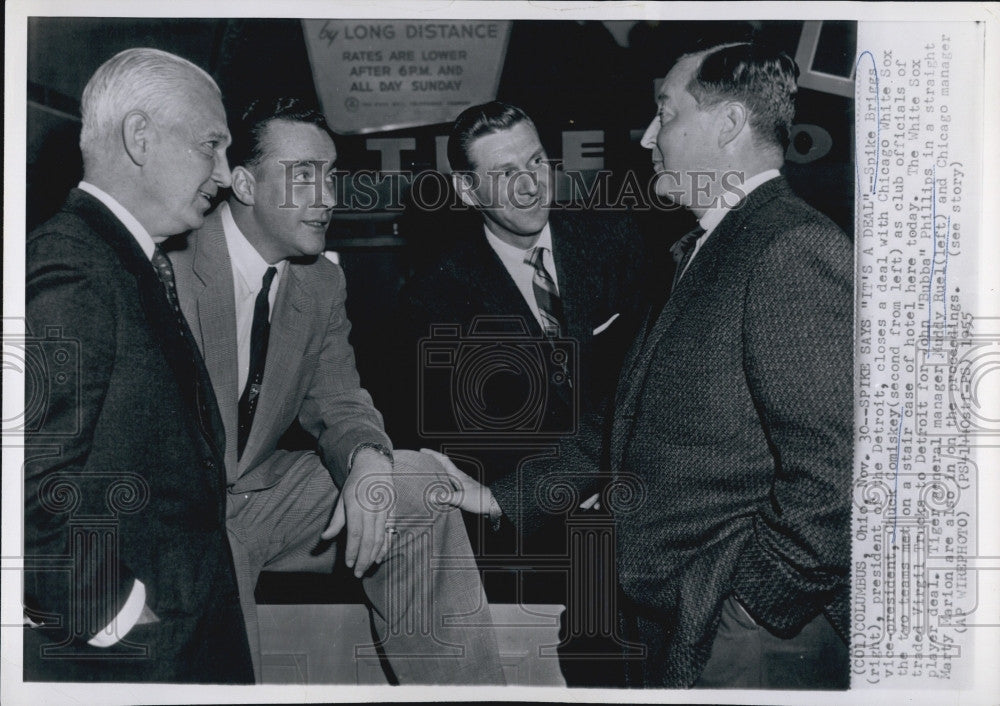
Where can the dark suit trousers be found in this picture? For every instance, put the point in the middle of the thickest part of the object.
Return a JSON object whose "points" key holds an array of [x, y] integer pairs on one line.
{"points": [[747, 656], [427, 601]]}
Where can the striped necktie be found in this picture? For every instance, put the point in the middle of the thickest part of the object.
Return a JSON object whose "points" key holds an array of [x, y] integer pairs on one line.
{"points": [[546, 293]]}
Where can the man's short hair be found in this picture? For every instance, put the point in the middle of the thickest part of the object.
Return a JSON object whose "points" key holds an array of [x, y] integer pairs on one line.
{"points": [[761, 78], [135, 79], [477, 121], [248, 148]]}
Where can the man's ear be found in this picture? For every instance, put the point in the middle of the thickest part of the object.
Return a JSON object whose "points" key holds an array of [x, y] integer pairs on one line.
{"points": [[464, 183], [137, 134], [733, 118], [243, 185]]}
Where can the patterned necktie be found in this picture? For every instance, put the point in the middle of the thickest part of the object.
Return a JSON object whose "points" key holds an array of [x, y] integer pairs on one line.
{"points": [[166, 273], [203, 388], [546, 294], [683, 250], [259, 333]]}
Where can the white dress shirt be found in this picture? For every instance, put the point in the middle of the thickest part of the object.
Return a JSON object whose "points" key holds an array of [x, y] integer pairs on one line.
{"points": [[128, 616], [520, 271], [713, 217], [248, 275]]}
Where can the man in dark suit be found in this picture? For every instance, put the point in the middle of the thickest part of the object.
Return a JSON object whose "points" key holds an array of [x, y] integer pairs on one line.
{"points": [[534, 309], [523, 270], [269, 318], [129, 576], [733, 419]]}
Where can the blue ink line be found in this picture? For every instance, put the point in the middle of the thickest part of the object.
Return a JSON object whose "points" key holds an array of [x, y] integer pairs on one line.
{"points": [[930, 283], [878, 121], [895, 476], [944, 272]]}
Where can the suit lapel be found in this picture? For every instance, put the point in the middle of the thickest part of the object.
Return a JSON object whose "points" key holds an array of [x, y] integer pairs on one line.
{"points": [[571, 268], [181, 354], [291, 323], [697, 277], [215, 313], [484, 273]]}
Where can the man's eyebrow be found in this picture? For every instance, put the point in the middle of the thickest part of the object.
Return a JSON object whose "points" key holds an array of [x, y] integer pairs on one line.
{"points": [[503, 167], [219, 136]]}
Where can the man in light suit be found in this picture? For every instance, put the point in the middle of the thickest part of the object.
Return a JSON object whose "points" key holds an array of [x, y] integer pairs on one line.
{"points": [[733, 414], [268, 315], [564, 282], [128, 572]]}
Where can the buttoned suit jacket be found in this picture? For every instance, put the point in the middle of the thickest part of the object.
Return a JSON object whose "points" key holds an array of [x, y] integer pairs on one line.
{"points": [[130, 453], [732, 438], [309, 372]]}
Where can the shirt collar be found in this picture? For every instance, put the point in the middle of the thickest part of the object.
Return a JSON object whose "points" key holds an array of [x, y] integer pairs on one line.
{"points": [[130, 222], [247, 262], [714, 216], [512, 253]]}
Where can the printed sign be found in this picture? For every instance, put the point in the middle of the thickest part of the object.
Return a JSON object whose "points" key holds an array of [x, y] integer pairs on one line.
{"points": [[388, 74]]}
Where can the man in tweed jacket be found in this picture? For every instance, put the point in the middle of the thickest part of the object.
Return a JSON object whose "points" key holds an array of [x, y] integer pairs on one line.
{"points": [[732, 427], [284, 506]]}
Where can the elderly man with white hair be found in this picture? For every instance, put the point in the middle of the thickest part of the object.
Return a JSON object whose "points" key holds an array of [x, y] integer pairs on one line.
{"points": [[128, 572]]}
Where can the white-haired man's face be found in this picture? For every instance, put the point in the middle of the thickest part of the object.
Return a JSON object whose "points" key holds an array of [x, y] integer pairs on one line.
{"points": [[187, 163]]}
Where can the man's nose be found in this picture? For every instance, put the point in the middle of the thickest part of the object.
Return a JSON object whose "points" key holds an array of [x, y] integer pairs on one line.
{"points": [[649, 137], [527, 182], [221, 174], [330, 191]]}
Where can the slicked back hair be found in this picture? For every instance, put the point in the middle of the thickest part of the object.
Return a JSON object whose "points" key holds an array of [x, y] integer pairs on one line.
{"points": [[248, 148], [761, 78], [479, 120]]}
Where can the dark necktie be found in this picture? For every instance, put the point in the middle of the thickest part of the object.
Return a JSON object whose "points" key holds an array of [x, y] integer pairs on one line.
{"points": [[259, 333], [683, 250], [546, 294]]}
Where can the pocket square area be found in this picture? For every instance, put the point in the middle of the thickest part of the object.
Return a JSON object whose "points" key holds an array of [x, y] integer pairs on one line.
{"points": [[602, 327]]}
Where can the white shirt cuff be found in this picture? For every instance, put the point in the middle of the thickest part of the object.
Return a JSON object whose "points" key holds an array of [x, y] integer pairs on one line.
{"points": [[126, 619]]}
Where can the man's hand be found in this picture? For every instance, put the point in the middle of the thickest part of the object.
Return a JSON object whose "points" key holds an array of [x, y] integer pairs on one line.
{"points": [[468, 494], [363, 506]]}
